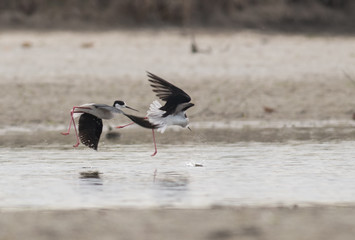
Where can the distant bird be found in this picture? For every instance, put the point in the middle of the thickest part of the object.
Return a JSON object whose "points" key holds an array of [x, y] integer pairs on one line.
{"points": [[172, 113], [90, 121], [195, 49]]}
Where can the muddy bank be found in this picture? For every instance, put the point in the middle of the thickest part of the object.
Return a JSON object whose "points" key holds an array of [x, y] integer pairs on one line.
{"points": [[208, 134], [324, 222]]}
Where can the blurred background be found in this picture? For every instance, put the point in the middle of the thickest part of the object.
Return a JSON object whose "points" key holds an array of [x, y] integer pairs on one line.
{"points": [[259, 14]]}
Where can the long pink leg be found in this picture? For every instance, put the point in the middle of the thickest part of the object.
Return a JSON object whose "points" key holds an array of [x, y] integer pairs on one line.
{"points": [[72, 120], [123, 126], [129, 124], [155, 144], [76, 132]]}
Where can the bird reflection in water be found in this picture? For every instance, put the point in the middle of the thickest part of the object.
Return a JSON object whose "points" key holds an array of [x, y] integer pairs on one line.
{"points": [[90, 178], [172, 180]]}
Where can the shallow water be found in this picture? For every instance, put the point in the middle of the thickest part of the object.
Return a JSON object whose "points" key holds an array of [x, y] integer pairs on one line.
{"points": [[231, 174]]}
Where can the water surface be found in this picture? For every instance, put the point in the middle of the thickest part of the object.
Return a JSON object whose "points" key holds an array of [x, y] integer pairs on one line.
{"points": [[200, 175]]}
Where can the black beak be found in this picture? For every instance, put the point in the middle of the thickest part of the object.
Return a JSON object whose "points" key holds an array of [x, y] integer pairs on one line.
{"points": [[132, 109], [189, 129]]}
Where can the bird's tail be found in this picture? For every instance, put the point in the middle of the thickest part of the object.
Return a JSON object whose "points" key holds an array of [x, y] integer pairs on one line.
{"points": [[155, 115], [141, 121]]}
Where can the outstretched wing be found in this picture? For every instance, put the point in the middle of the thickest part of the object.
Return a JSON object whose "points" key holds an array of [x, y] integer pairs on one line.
{"points": [[90, 129], [168, 92]]}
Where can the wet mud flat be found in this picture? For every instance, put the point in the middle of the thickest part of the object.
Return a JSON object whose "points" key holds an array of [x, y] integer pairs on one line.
{"points": [[202, 133], [286, 223]]}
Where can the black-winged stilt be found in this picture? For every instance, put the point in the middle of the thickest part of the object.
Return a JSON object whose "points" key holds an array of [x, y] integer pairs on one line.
{"points": [[172, 113], [90, 121]]}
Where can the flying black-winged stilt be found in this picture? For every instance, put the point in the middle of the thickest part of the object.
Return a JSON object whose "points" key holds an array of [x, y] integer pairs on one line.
{"points": [[90, 121], [172, 113]]}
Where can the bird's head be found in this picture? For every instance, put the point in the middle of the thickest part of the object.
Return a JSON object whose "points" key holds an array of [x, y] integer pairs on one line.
{"points": [[187, 122], [121, 104]]}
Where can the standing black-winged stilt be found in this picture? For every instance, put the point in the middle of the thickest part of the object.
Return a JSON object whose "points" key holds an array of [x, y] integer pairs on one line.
{"points": [[172, 113], [90, 121]]}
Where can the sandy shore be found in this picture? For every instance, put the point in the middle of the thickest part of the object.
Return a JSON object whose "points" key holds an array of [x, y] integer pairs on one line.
{"points": [[44, 74], [219, 223], [244, 76]]}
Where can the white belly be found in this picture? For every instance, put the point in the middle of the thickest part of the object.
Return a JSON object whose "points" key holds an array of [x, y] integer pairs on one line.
{"points": [[177, 120]]}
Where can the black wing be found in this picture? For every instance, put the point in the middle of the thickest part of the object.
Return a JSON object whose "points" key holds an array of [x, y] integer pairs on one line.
{"points": [[143, 122], [169, 93], [90, 129]]}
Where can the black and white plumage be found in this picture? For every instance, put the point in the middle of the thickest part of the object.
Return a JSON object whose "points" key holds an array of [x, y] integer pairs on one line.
{"points": [[90, 129], [90, 121], [172, 113], [176, 99]]}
